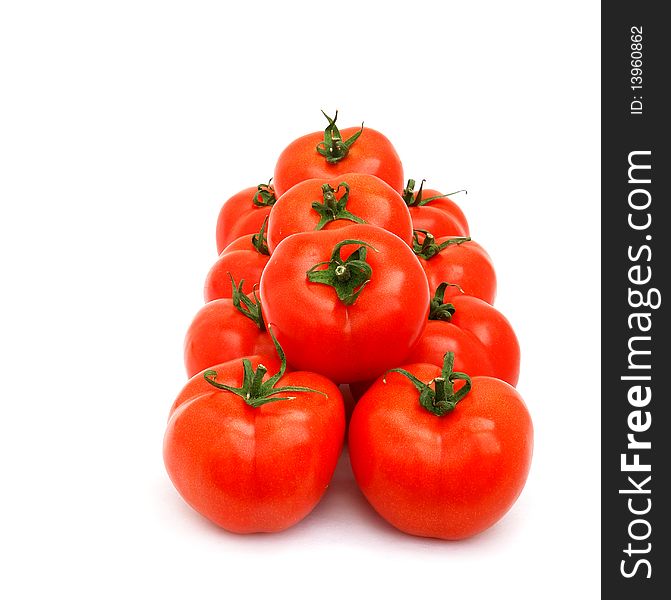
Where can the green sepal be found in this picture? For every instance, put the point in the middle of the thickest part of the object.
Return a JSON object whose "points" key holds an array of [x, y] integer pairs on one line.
{"points": [[245, 305], [331, 208], [439, 310], [348, 277], [265, 195], [254, 391], [417, 200], [440, 399], [428, 248], [334, 148], [260, 239]]}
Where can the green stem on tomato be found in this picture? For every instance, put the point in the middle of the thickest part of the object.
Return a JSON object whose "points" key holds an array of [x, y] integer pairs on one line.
{"points": [[334, 148], [260, 239], [245, 305], [439, 310], [412, 199], [254, 391], [333, 209], [347, 277], [442, 398], [428, 248], [265, 195]]}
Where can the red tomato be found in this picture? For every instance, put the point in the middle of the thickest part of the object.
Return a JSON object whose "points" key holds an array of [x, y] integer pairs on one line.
{"points": [[226, 329], [244, 260], [348, 303], [253, 453], [459, 261], [434, 212], [324, 204], [331, 153], [243, 214], [480, 336], [437, 459]]}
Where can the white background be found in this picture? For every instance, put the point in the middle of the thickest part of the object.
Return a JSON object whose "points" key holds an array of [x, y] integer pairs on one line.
{"points": [[125, 125]]}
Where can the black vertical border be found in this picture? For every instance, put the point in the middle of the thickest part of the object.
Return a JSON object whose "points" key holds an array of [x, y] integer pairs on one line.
{"points": [[622, 133]]}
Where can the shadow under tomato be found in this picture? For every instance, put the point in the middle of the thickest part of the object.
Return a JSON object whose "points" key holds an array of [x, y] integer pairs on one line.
{"points": [[342, 516]]}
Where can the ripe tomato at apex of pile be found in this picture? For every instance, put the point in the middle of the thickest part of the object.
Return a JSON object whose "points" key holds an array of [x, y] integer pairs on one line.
{"points": [[370, 152]]}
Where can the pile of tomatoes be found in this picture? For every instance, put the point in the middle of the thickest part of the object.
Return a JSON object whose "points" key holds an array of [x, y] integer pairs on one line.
{"points": [[336, 278]]}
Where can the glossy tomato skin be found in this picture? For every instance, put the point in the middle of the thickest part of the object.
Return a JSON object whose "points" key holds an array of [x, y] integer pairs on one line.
{"points": [[448, 477], [467, 265], [254, 469], [318, 331], [436, 220], [481, 337], [442, 216], [220, 332], [369, 198], [447, 205], [239, 216], [372, 153], [243, 261]]}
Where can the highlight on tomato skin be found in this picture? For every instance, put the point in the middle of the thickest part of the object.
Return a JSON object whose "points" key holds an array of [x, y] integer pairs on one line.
{"points": [[450, 475], [254, 452], [331, 152]]}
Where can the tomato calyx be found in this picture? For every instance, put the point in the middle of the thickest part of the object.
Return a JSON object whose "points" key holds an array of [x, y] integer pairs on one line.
{"points": [[245, 305], [265, 195], [412, 199], [332, 209], [254, 391], [260, 239], [442, 398], [334, 148], [348, 277], [439, 310], [428, 248]]}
